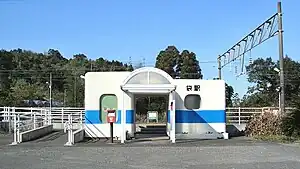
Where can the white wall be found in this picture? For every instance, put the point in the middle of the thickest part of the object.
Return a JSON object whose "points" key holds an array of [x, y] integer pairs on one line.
{"points": [[97, 84], [210, 117]]}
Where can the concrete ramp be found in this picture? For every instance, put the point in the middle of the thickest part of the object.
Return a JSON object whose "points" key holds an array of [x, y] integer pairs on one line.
{"points": [[235, 130], [78, 135], [75, 136], [35, 133]]}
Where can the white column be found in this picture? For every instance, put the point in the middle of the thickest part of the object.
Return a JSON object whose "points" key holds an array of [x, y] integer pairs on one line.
{"points": [[123, 120], [172, 119]]}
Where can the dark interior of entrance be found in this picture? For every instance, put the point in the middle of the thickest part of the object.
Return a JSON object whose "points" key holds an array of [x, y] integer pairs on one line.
{"points": [[151, 115]]}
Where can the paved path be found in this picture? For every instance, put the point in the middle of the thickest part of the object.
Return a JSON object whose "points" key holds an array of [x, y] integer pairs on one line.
{"points": [[238, 153]]}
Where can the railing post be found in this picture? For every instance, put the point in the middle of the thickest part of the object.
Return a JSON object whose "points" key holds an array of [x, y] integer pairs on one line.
{"points": [[43, 113], [239, 115], [50, 117], [15, 130], [81, 120], [71, 129], [34, 120], [5, 114], [31, 113], [62, 116], [9, 119], [18, 128]]}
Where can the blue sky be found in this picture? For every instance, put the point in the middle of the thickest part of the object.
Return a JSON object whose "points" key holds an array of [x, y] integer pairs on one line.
{"points": [[118, 29]]}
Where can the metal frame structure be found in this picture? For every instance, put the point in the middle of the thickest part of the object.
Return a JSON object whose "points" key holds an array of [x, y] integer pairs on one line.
{"points": [[259, 35]]}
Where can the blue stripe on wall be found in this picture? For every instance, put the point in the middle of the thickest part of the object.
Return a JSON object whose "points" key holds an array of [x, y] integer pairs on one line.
{"points": [[181, 116], [199, 116], [168, 116], [93, 117]]}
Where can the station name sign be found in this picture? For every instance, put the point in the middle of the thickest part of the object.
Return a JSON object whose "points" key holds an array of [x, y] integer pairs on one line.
{"points": [[192, 87]]}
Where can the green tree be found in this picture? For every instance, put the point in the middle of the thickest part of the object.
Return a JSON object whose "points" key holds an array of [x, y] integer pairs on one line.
{"points": [[236, 100], [189, 68], [22, 90], [21, 71], [166, 60], [228, 93], [265, 80]]}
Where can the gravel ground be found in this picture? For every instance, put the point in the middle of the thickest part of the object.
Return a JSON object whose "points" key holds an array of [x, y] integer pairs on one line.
{"points": [[236, 153]]}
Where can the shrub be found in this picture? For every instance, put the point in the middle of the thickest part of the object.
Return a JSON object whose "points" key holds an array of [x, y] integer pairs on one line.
{"points": [[291, 123], [270, 124], [264, 124]]}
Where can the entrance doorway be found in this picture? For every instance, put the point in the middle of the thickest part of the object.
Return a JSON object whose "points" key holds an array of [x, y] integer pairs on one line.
{"points": [[151, 116], [149, 81]]}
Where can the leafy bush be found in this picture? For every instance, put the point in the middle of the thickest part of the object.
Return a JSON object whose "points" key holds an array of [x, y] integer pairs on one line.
{"points": [[291, 123], [265, 124], [271, 125]]}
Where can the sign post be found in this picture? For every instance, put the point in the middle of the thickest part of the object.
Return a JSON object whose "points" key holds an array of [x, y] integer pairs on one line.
{"points": [[111, 119]]}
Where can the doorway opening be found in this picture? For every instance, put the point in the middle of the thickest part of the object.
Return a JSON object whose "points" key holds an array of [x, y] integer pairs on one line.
{"points": [[149, 82], [151, 115]]}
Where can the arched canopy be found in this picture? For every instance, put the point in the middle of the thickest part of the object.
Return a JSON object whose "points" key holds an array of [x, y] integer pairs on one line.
{"points": [[148, 80]]}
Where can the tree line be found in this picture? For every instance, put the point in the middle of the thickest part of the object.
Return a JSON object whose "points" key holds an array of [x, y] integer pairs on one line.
{"points": [[25, 77], [264, 76]]}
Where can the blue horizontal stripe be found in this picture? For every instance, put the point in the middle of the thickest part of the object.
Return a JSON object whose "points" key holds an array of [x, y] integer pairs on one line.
{"points": [[168, 116], [199, 116], [93, 117], [181, 116]]}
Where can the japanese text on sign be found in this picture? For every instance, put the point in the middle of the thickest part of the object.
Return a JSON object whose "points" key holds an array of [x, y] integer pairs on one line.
{"points": [[193, 87]]}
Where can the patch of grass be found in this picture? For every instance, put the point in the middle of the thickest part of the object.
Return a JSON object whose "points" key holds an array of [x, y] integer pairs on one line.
{"points": [[277, 138]]}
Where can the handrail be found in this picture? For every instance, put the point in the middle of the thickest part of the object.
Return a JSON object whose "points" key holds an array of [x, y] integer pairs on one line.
{"points": [[59, 115], [68, 126], [24, 119]]}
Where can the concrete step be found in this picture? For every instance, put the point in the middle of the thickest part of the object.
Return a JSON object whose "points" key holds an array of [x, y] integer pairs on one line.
{"points": [[152, 132], [153, 129]]}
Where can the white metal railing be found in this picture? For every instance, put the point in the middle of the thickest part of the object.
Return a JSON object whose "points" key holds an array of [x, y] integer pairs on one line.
{"points": [[77, 119], [242, 115], [22, 119], [59, 115]]}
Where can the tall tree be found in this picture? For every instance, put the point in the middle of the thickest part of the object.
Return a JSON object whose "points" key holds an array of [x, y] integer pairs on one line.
{"points": [[189, 68], [236, 100], [228, 93], [263, 75], [166, 60]]}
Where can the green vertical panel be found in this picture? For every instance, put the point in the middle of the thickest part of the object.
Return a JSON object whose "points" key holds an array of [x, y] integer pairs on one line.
{"points": [[107, 101]]}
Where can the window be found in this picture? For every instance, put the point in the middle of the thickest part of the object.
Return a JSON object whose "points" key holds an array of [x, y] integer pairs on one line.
{"points": [[107, 101], [192, 101], [148, 78]]}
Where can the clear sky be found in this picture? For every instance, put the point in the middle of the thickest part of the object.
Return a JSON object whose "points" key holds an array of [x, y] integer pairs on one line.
{"points": [[118, 29]]}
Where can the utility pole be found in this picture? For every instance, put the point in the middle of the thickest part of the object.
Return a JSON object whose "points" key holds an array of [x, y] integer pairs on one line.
{"points": [[219, 68], [75, 91], [91, 64], [65, 93], [144, 64], [130, 61], [50, 92], [281, 59]]}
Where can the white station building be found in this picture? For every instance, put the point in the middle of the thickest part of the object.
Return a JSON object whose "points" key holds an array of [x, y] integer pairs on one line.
{"points": [[196, 107]]}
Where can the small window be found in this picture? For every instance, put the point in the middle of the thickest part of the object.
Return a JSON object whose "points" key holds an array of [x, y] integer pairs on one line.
{"points": [[192, 101], [107, 101]]}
